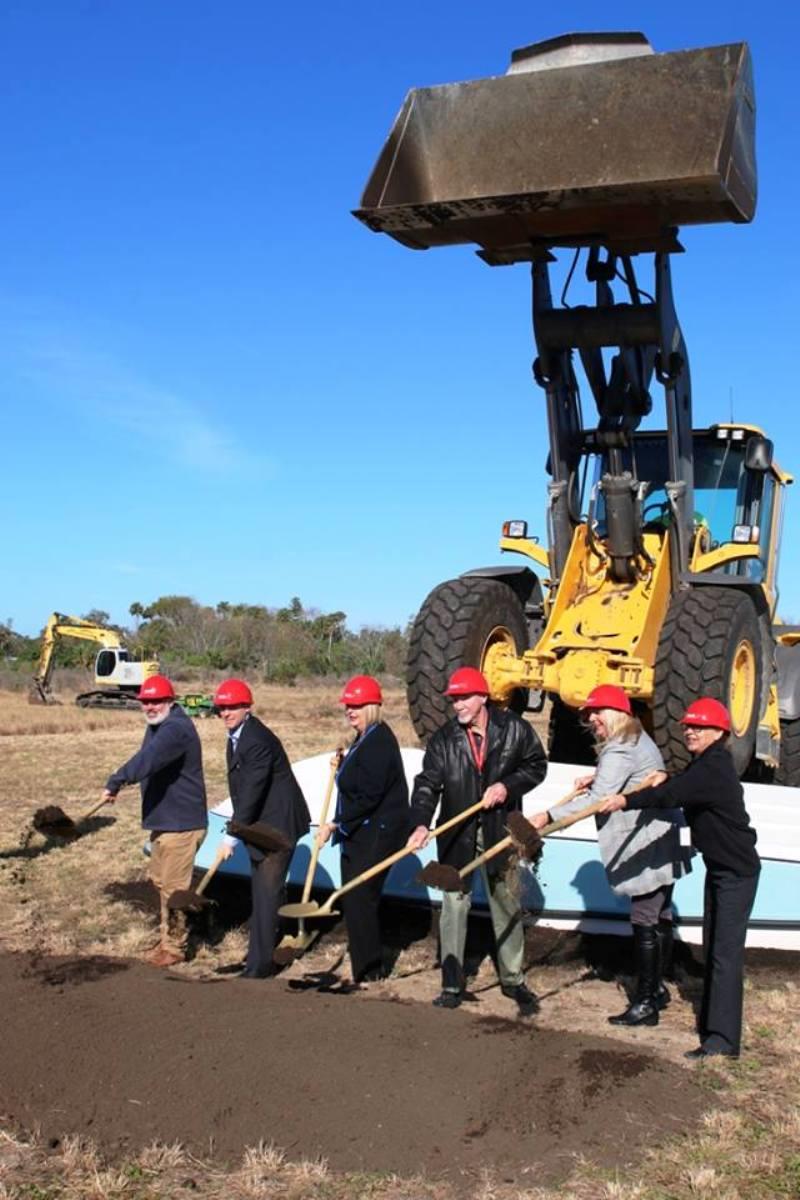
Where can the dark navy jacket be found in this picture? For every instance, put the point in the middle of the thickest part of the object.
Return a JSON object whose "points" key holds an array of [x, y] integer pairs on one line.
{"points": [[169, 766], [372, 786]]}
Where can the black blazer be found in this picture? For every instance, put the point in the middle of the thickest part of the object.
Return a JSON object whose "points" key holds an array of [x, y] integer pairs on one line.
{"points": [[262, 784], [372, 786]]}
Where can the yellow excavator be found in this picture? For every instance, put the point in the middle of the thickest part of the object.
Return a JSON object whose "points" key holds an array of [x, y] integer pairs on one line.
{"points": [[117, 677], [660, 573]]}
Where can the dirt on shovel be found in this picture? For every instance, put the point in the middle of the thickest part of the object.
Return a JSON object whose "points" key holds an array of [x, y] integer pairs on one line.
{"points": [[260, 835], [52, 821]]}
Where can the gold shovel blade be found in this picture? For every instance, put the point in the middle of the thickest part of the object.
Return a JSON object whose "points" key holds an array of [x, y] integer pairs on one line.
{"points": [[308, 908]]}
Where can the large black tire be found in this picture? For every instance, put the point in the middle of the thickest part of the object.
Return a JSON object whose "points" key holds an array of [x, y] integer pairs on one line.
{"points": [[788, 773], [711, 644], [568, 739], [457, 622]]}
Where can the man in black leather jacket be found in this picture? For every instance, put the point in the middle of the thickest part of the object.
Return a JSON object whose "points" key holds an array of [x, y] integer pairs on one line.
{"points": [[490, 754]]}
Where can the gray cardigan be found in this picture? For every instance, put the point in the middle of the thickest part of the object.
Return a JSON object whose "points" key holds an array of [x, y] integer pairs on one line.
{"points": [[641, 850]]}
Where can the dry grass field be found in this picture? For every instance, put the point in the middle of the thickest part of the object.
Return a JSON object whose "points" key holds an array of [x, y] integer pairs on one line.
{"points": [[74, 900]]}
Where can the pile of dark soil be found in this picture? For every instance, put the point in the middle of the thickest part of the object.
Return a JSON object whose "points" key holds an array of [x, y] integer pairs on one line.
{"points": [[126, 1054]]}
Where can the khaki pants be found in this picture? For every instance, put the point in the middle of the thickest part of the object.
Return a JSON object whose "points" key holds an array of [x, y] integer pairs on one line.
{"points": [[171, 863], [506, 923]]}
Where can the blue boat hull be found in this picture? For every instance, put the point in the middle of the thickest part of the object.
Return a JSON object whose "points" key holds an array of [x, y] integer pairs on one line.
{"points": [[569, 888]]}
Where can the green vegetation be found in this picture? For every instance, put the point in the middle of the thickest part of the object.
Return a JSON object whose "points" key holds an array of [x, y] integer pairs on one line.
{"points": [[271, 644]]}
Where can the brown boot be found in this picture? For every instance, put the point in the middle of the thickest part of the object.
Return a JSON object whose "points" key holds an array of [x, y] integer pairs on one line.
{"points": [[164, 957]]}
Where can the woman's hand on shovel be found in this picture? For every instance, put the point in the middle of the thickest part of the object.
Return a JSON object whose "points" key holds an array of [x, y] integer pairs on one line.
{"points": [[419, 838], [325, 831]]}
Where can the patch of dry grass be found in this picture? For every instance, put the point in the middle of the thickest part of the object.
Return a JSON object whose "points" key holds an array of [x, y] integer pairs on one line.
{"points": [[54, 898]]}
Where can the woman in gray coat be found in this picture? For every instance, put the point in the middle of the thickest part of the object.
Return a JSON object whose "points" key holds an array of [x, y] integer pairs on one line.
{"points": [[642, 857]]}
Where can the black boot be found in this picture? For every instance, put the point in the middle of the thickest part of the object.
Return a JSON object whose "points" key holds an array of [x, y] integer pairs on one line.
{"points": [[644, 1009], [666, 942]]}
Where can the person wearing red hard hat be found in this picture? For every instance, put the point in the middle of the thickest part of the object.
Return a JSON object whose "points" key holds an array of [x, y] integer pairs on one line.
{"points": [[169, 768], [371, 819], [641, 850], [484, 753], [712, 798], [262, 787]]}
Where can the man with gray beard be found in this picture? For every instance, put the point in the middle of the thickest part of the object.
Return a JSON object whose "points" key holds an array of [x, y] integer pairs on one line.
{"points": [[169, 767]]}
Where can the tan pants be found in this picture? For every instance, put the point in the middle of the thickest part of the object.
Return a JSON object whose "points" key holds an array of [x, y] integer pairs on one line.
{"points": [[171, 863]]}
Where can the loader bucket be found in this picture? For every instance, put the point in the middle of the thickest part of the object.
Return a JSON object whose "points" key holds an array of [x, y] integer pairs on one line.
{"points": [[588, 138]]}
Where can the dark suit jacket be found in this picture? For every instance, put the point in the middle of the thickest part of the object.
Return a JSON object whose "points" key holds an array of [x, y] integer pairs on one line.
{"points": [[373, 793], [262, 784]]}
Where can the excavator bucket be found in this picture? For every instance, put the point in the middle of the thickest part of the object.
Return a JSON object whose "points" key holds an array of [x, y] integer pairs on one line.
{"points": [[588, 138]]}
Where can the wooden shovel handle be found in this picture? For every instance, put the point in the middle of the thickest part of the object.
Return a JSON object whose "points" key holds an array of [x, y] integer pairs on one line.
{"points": [[576, 791], [398, 854], [211, 872], [92, 811], [563, 823], [315, 847]]}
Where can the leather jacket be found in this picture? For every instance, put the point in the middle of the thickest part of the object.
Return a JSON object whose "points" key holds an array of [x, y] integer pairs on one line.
{"points": [[514, 757]]}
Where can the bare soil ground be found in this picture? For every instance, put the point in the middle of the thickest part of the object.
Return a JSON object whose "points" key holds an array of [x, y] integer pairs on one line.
{"points": [[120, 1081]]}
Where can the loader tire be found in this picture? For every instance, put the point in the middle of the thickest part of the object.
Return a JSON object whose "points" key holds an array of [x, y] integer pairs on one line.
{"points": [[568, 739], [711, 644], [788, 773], [454, 627]]}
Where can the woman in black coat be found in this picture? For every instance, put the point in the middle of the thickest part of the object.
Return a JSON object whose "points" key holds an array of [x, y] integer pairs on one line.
{"points": [[371, 821], [712, 798]]}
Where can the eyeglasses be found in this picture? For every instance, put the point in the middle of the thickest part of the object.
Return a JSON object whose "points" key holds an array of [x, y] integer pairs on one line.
{"points": [[221, 708]]}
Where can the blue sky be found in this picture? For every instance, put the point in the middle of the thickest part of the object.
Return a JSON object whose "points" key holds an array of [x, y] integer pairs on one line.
{"points": [[216, 382]]}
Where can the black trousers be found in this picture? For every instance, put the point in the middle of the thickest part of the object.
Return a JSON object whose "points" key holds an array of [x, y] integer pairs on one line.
{"points": [[267, 882], [361, 906], [728, 902]]}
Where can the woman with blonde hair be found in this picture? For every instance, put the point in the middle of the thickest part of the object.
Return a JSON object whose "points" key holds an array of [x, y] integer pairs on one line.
{"points": [[371, 821], [642, 852]]}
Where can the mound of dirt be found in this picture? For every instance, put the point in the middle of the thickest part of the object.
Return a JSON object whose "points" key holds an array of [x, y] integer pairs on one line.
{"points": [[129, 1056]]}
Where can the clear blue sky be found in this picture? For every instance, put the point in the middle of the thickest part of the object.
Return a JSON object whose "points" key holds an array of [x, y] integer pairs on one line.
{"points": [[216, 382]]}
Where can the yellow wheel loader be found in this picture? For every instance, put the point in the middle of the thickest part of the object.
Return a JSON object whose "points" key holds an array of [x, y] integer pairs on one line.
{"points": [[660, 574]]}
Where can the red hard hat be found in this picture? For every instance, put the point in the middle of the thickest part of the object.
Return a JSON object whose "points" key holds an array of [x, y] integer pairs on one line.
{"points": [[157, 687], [606, 695], [234, 692], [467, 681], [361, 689], [708, 712]]}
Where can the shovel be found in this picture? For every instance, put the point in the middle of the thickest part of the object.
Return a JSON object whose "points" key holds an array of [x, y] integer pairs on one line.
{"points": [[52, 821], [523, 835], [311, 908], [290, 946], [194, 901], [260, 835]]}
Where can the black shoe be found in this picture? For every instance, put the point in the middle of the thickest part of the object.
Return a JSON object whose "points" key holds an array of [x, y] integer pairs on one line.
{"points": [[701, 1052], [448, 1000], [373, 975], [527, 1002], [641, 1012], [250, 974], [662, 997], [230, 969]]}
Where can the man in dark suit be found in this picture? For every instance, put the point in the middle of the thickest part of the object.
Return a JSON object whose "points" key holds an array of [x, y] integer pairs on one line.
{"points": [[262, 788]]}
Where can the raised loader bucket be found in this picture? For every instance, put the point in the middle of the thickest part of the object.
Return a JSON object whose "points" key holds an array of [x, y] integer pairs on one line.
{"points": [[588, 138]]}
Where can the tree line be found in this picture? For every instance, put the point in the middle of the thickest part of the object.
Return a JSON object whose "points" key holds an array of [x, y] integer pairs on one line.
{"points": [[191, 639]]}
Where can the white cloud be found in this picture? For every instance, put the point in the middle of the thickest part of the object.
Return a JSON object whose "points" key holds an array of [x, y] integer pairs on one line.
{"points": [[95, 384]]}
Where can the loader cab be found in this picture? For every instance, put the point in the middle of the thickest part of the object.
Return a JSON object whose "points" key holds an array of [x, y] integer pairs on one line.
{"points": [[737, 493]]}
